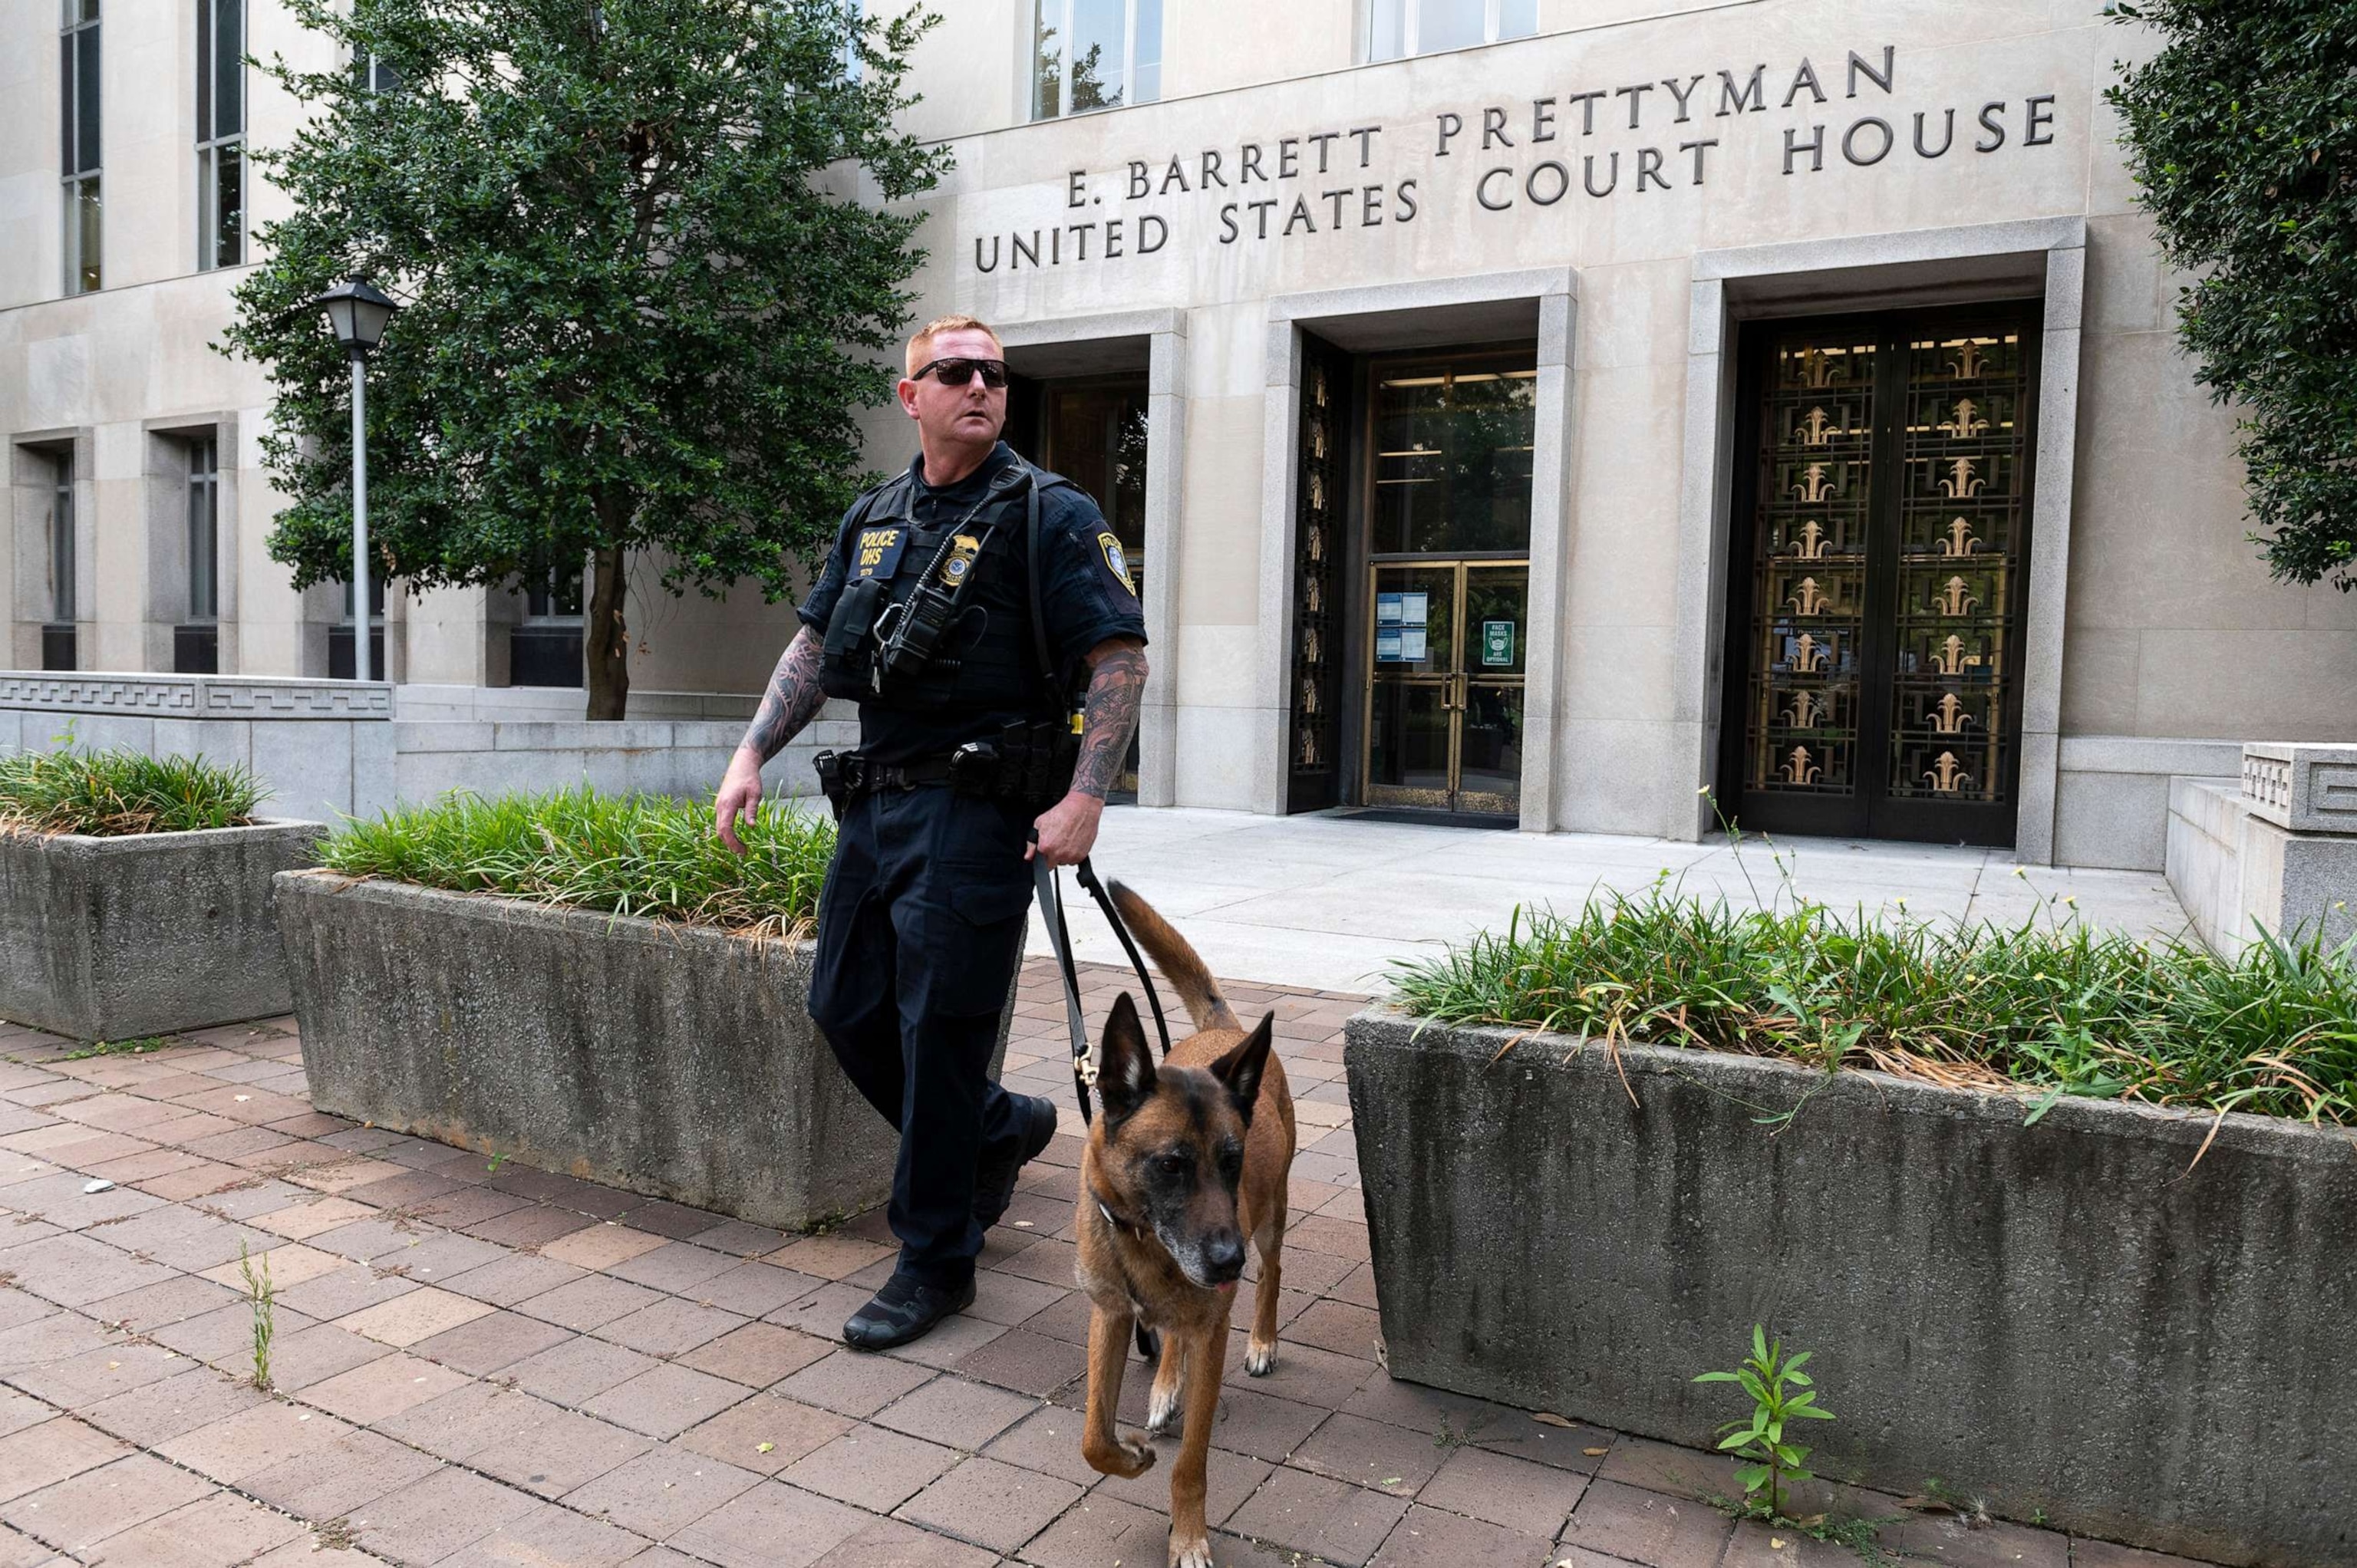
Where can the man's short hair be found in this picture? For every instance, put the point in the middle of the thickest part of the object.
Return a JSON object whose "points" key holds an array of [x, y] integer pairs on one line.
{"points": [[921, 346]]}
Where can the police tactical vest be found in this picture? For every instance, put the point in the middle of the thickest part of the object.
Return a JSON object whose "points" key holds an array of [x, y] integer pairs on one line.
{"points": [[985, 656]]}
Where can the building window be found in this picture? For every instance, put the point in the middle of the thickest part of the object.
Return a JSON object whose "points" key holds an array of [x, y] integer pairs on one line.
{"points": [[1094, 54], [220, 133], [340, 664], [196, 642], [79, 120], [58, 632], [544, 650], [1397, 29]]}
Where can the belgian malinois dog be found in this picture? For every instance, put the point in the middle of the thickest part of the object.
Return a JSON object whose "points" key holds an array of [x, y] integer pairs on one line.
{"points": [[1185, 1161]]}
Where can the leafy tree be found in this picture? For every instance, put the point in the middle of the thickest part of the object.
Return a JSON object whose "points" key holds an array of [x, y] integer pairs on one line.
{"points": [[636, 273], [2242, 131]]}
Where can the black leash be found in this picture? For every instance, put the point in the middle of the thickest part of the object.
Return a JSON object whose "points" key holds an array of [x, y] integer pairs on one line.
{"points": [[1049, 892]]}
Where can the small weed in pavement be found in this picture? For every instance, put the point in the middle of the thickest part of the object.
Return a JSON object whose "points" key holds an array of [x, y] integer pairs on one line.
{"points": [[116, 1048], [263, 1295]]}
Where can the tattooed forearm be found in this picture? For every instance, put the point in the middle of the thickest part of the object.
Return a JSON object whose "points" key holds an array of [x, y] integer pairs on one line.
{"points": [[1116, 681], [793, 699]]}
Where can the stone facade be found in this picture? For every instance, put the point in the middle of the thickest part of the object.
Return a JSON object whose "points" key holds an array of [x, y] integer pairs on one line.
{"points": [[1759, 161]]}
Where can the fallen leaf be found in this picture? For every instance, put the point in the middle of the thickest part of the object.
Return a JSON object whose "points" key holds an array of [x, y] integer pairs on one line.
{"points": [[1548, 1418], [1390, 1481], [1023, 1225], [243, 1098], [763, 1448], [1595, 1453], [1775, 1543]]}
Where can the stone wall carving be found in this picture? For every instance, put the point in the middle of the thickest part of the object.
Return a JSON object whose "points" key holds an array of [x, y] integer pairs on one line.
{"points": [[2305, 788], [199, 697]]}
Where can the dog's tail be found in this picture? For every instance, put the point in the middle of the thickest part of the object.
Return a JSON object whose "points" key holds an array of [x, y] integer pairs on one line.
{"points": [[1177, 962]]}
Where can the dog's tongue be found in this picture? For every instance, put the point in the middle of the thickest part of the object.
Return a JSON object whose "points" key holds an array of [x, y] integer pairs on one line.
{"points": [[1227, 1289]]}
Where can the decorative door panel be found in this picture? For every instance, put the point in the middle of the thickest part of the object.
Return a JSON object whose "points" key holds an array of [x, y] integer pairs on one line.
{"points": [[1314, 778], [1874, 651]]}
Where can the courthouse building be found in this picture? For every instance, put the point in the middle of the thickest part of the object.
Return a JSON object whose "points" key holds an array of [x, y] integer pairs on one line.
{"points": [[1538, 411]]}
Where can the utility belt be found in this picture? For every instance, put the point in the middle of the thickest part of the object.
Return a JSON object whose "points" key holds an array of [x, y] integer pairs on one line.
{"points": [[1030, 763]]}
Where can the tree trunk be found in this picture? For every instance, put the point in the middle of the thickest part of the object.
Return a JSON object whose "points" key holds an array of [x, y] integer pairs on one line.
{"points": [[606, 639]]}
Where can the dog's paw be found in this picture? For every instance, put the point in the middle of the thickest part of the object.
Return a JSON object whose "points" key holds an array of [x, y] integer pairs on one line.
{"points": [[1126, 1458], [1195, 1554], [1162, 1412], [1260, 1360]]}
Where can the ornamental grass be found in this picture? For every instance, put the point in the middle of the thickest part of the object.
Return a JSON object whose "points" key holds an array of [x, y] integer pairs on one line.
{"points": [[640, 855], [2044, 1008], [109, 794]]}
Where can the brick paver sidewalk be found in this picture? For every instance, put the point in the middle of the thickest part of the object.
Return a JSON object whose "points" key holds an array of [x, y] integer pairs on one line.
{"points": [[477, 1362]]}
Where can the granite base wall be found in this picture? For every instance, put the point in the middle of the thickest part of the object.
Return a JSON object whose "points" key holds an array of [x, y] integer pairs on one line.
{"points": [[2072, 1318]]}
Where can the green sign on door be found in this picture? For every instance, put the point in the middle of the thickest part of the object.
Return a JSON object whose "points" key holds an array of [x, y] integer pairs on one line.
{"points": [[1497, 642]]}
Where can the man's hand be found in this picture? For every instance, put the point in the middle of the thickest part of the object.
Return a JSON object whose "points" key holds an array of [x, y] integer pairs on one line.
{"points": [[741, 796], [1068, 831]]}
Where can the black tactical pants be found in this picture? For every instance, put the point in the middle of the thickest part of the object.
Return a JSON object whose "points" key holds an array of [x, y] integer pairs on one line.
{"points": [[919, 933]]}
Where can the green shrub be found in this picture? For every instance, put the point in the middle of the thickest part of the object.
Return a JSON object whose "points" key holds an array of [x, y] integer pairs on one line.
{"points": [[640, 855], [108, 793], [2060, 1008]]}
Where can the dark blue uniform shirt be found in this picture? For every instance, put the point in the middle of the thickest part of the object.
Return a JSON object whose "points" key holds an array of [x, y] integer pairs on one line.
{"points": [[1085, 597]]}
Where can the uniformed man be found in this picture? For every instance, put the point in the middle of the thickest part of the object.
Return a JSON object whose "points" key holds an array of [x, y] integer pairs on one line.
{"points": [[964, 604]]}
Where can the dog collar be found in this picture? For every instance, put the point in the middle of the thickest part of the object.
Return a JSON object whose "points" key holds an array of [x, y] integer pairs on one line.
{"points": [[1115, 1221]]}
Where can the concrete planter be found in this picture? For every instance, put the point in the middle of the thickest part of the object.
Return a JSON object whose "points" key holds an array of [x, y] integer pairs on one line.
{"points": [[662, 1058], [2061, 1317], [112, 938]]}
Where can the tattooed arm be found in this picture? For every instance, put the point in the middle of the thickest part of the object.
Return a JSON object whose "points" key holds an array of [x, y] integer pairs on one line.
{"points": [[1116, 683], [793, 699]]}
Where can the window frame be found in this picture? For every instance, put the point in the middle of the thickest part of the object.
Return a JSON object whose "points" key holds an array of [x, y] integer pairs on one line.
{"points": [[1411, 26], [219, 146], [203, 537], [80, 170], [64, 602], [1063, 10]]}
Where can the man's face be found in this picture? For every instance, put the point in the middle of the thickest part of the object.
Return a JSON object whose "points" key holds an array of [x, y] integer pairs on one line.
{"points": [[962, 414]]}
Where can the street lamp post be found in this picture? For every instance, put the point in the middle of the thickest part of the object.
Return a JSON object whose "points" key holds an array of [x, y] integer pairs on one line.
{"points": [[357, 313]]}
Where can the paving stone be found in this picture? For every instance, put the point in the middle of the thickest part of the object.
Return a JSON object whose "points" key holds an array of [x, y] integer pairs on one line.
{"points": [[1651, 1528], [853, 1383], [1027, 1362], [420, 1315], [169, 1300], [1047, 1441], [1942, 1537], [284, 1266], [1577, 1448], [561, 1450], [79, 1382], [470, 1207], [1101, 1530], [70, 1270], [494, 1340], [343, 1292], [889, 1543], [674, 1267], [1010, 1299], [50, 1451], [212, 1532], [312, 1355], [665, 1400], [429, 1520], [311, 1216], [991, 1504], [576, 1369], [602, 1246], [513, 1280], [1664, 1468], [771, 1525], [224, 1333], [757, 1354], [871, 1468], [1428, 1537], [77, 1513], [383, 1388], [1756, 1545], [19, 1410], [182, 1238], [550, 1535], [437, 1257], [946, 1345], [765, 1432], [467, 1418], [1320, 1516], [534, 1226], [1333, 1326], [2106, 1554], [1366, 1453], [669, 1327], [674, 1222], [663, 1491], [956, 1412], [754, 1289], [1066, 1318], [1530, 1498], [822, 1313], [340, 1479], [588, 1303], [827, 1257], [1229, 1478]]}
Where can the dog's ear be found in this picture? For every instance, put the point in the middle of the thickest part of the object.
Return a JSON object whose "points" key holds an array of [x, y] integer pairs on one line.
{"points": [[1242, 1068], [1125, 1074]]}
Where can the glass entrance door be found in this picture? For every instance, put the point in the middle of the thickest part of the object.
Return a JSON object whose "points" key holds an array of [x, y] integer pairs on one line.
{"points": [[1445, 686]]}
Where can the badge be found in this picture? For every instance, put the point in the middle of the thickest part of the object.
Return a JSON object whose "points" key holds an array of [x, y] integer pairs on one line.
{"points": [[877, 553], [959, 561], [1116, 561]]}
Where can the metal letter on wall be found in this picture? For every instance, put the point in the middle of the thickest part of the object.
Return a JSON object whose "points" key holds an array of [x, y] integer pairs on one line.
{"points": [[1314, 775]]}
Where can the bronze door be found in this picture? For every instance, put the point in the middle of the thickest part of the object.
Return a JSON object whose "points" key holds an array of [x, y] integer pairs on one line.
{"points": [[1444, 721], [1880, 545]]}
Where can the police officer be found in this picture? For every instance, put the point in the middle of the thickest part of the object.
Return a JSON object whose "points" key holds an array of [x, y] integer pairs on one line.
{"points": [[965, 604]]}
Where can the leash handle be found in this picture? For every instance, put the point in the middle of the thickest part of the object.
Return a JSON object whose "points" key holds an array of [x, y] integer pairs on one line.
{"points": [[1048, 893], [1088, 879]]}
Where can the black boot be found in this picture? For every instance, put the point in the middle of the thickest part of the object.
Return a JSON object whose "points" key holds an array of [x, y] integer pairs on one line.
{"points": [[993, 1178], [905, 1309]]}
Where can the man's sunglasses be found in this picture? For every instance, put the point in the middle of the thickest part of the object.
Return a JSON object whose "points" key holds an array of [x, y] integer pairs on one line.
{"points": [[961, 373]]}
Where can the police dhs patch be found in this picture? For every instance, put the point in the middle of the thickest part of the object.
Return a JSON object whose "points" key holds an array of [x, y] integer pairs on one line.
{"points": [[1116, 561]]}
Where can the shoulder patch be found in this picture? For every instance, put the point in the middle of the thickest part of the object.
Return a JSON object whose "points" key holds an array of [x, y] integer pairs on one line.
{"points": [[1116, 561]]}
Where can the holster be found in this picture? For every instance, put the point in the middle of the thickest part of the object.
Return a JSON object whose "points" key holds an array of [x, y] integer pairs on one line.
{"points": [[1031, 763]]}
